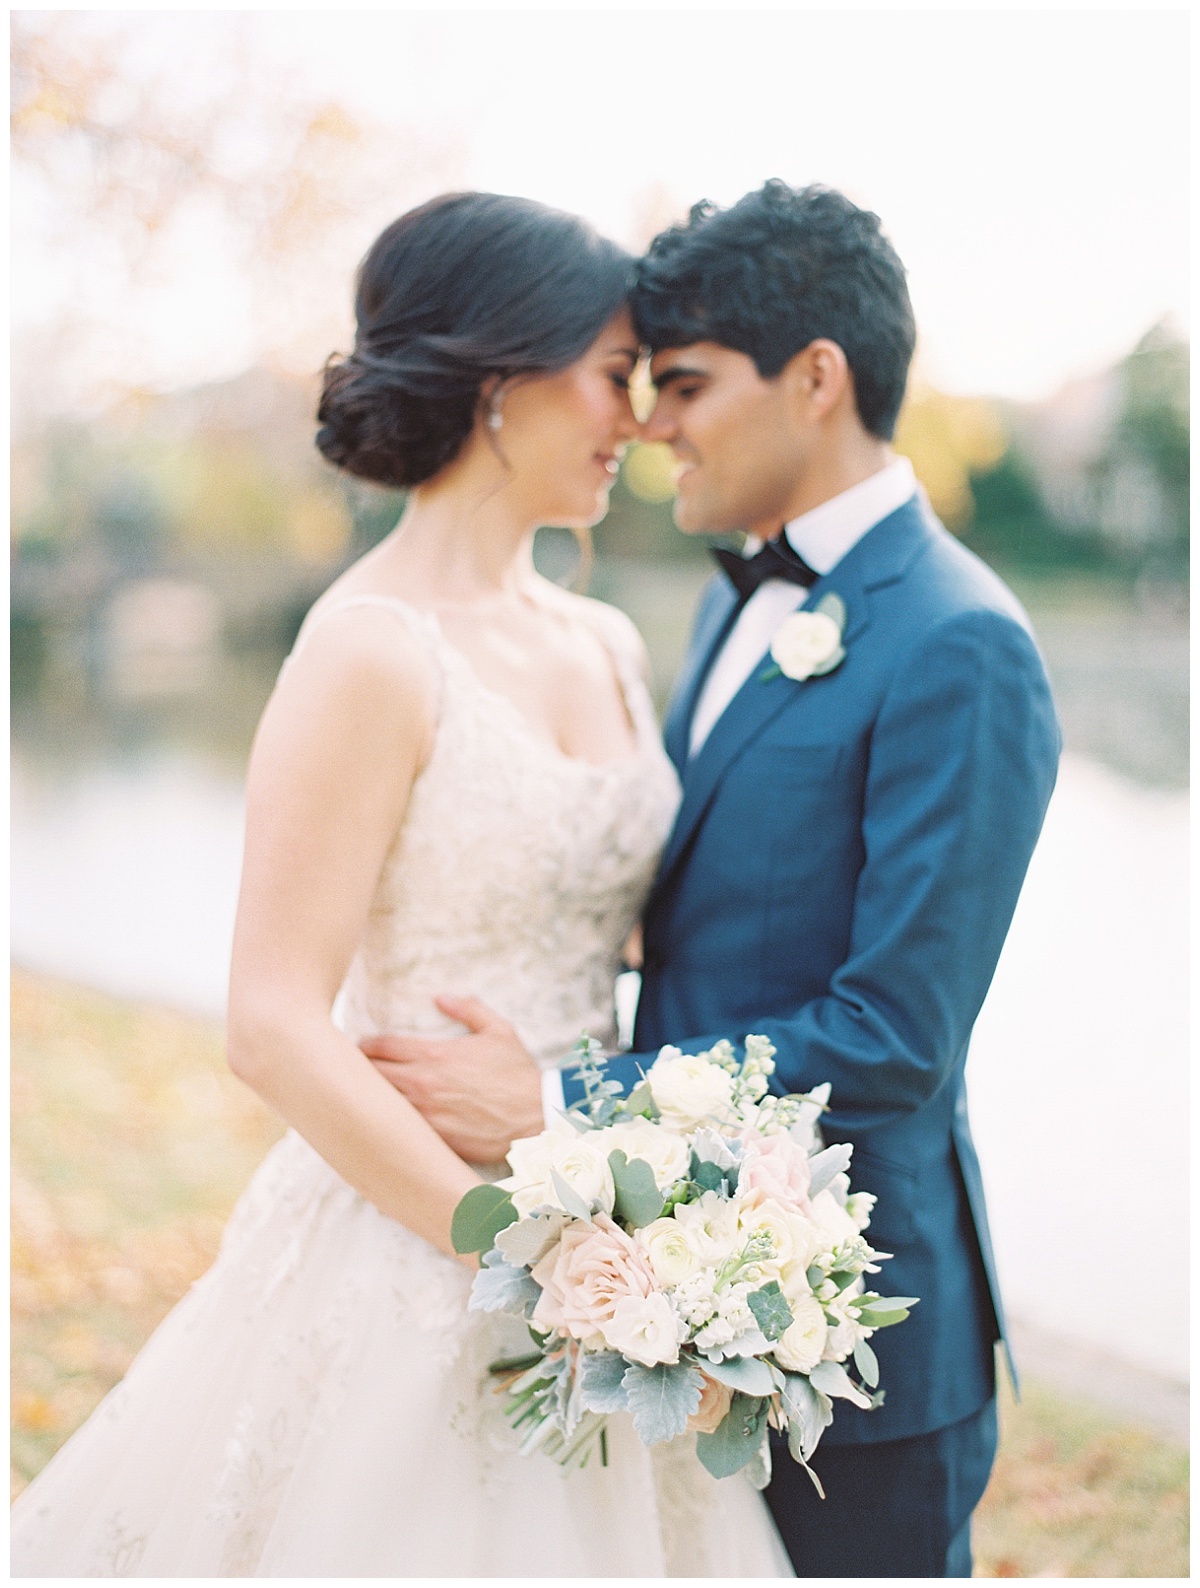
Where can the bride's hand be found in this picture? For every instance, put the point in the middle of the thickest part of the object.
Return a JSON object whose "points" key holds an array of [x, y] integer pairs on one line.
{"points": [[480, 1092]]}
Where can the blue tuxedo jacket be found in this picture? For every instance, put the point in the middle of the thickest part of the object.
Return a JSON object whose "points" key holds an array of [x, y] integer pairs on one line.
{"points": [[841, 876]]}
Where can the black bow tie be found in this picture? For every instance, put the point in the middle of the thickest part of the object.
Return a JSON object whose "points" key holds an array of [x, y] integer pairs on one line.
{"points": [[777, 559]]}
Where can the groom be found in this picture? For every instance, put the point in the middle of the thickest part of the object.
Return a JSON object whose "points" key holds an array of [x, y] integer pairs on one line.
{"points": [[858, 814]]}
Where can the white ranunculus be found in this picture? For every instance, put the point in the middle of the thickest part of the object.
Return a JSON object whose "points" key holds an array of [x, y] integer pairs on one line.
{"points": [[579, 1160], [688, 1090], [667, 1154], [672, 1250], [644, 1328], [804, 642], [799, 1348], [796, 1239], [712, 1223]]}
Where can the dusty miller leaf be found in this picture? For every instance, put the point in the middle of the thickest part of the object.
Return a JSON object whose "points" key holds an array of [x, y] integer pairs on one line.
{"points": [[498, 1287], [662, 1399], [600, 1380], [833, 1161]]}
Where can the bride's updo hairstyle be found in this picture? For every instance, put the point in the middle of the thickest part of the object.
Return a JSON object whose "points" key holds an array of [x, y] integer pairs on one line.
{"points": [[468, 286]]}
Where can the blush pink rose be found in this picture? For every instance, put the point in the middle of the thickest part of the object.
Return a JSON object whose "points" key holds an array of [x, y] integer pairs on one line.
{"points": [[714, 1403], [592, 1268], [778, 1168]]}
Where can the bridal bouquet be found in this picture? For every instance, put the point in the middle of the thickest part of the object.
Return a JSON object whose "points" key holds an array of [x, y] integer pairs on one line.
{"points": [[689, 1254]]}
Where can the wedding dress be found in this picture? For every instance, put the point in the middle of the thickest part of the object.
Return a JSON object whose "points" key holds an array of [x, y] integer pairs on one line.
{"points": [[319, 1405]]}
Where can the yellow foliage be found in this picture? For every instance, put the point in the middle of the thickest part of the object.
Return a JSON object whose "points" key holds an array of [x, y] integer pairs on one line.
{"points": [[649, 472], [946, 439], [319, 526]]}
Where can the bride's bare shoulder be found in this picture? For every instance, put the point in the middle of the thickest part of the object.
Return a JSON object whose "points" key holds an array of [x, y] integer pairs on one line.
{"points": [[365, 651]]}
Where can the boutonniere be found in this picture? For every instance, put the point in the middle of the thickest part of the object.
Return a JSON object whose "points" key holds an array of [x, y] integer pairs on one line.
{"points": [[809, 643]]}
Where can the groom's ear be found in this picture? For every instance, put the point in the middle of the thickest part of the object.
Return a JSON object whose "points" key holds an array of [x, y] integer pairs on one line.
{"points": [[817, 381]]}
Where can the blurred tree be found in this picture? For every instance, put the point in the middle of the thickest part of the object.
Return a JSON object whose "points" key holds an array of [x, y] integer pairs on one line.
{"points": [[949, 439], [130, 163]]}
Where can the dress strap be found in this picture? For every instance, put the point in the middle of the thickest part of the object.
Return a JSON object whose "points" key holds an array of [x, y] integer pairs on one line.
{"points": [[421, 624]]}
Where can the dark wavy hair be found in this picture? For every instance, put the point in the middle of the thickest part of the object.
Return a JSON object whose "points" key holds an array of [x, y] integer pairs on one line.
{"points": [[773, 273], [467, 286]]}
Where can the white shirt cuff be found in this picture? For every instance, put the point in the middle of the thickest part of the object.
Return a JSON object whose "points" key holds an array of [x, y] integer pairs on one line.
{"points": [[554, 1103]]}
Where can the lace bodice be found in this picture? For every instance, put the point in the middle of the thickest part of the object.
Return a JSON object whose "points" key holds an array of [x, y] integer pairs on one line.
{"points": [[518, 871]]}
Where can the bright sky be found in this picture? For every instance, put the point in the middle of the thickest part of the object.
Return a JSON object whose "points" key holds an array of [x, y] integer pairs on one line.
{"points": [[1030, 166]]}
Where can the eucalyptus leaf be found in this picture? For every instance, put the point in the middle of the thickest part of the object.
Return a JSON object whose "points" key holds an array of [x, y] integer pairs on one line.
{"points": [[746, 1373], [641, 1101], [799, 1458], [600, 1382], [881, 1312], [832, 1379], [825, 1165], [479, 1217], [638, 1199], [808, 1412], [832, 605], [662, 1399], [867, 1364], [735, 1443], [572, 1202], [707, 1176], [771, 1311]]}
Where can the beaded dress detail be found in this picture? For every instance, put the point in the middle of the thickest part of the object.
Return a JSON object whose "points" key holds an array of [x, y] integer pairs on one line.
{"points": [[319, 1404]]}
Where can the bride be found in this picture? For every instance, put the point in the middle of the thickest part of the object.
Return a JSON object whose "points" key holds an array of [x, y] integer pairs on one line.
{"points": [[457, 787]]}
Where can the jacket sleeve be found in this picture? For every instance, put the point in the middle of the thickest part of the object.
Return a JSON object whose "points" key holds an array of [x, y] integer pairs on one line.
{"points": [[962, 761]]}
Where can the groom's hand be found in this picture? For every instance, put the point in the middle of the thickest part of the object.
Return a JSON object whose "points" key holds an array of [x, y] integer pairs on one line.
{"points": [[480, 1092]]}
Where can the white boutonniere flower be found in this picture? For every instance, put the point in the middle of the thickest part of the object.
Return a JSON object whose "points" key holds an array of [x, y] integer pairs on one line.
{"points": [[809, 643]]}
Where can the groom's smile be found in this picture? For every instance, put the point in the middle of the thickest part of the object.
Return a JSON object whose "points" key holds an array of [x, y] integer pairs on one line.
{"points": [[735, 437]]}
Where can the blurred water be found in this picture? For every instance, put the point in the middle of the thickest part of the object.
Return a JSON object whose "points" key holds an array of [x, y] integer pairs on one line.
{"points": [[124, 876]]}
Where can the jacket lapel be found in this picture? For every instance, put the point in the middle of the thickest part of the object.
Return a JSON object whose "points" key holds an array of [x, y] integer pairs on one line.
{"points": [[716, 613], [880, 557]]}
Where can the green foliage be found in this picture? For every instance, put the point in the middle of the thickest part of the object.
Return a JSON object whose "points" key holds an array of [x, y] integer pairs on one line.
{"points": [[735, 1443], [771, 1311], [638, 1200], [479, 1217]]}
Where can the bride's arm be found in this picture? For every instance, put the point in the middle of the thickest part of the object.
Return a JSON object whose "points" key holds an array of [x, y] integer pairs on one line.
{"points": [[340, 743]]}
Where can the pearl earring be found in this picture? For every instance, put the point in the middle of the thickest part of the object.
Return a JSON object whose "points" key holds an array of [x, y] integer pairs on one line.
{"points": [[495, 419]]}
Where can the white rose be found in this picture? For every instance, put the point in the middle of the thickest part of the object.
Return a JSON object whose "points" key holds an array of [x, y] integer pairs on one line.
{"points": [[687, 1090], [799, 1348], [803, 642], [671, 1249], [667, 1154], [644, 1328], [579, 1160]]}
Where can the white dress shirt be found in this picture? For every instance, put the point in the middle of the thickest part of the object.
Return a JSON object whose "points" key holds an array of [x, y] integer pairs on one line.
{"points": [[822, 537]]}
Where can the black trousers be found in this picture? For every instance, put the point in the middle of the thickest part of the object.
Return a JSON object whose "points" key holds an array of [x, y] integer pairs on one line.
{"points": [[901, 1508]]}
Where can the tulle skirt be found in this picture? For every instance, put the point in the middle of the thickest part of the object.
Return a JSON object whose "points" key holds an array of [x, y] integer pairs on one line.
{"points": [[319, 1405]]}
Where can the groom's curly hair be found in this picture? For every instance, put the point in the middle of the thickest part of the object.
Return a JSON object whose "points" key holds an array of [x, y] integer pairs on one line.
{"points": [[781, 268]]}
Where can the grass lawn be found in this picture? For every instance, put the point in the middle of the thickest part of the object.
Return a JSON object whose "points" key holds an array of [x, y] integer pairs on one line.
{"points": [[131, 1142]]}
